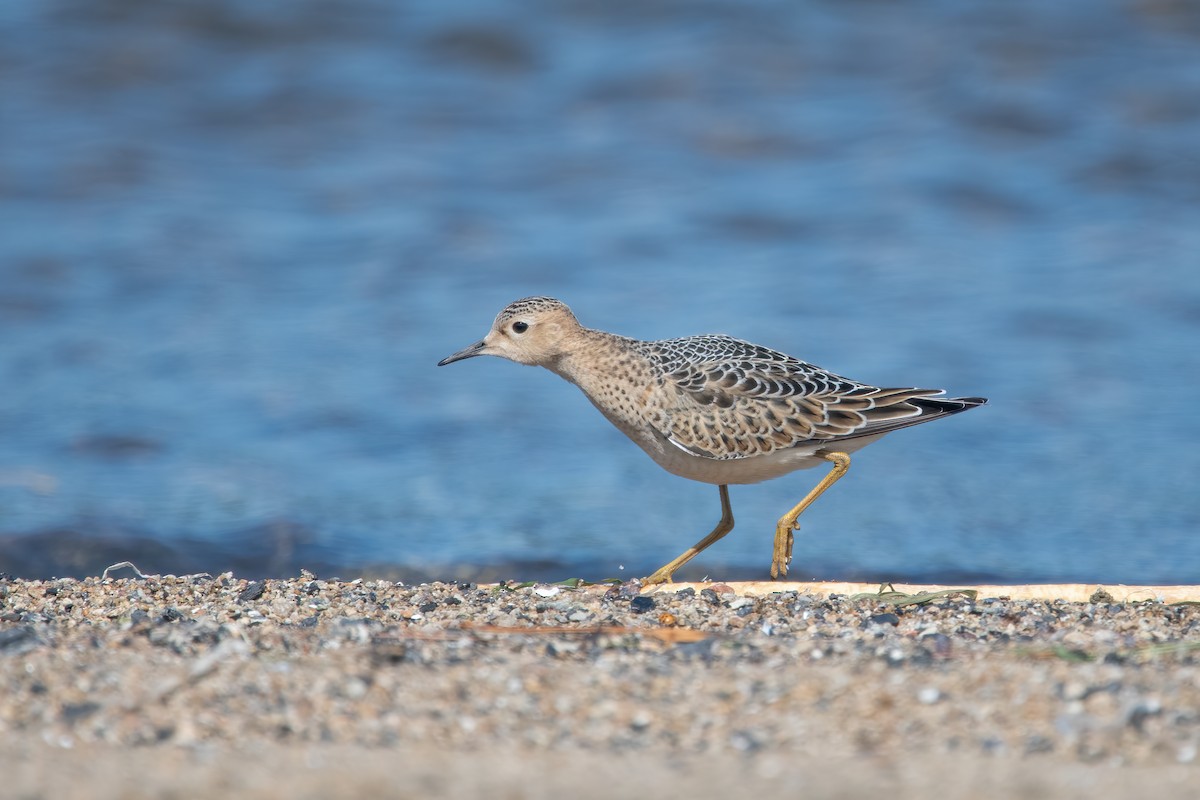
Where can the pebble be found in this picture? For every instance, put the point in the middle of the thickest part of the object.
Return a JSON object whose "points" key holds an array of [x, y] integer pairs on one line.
{"points": [[641, 604], [928, 695]]}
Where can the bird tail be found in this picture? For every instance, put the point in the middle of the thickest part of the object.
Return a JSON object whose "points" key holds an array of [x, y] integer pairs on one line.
{"points": [[928, 408]]}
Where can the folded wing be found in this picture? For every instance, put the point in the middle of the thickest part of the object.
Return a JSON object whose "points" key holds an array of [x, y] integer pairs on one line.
{"points": [[725, 399]]}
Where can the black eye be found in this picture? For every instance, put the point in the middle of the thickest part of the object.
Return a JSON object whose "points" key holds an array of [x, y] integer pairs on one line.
{"points": [[520, 327]]}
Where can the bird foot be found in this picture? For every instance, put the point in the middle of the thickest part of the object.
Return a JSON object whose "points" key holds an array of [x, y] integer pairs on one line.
{"points": [[785, 537], [662, 575]]}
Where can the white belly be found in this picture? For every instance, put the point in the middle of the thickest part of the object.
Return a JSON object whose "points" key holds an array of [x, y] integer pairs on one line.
{"points": [[753, 469]]}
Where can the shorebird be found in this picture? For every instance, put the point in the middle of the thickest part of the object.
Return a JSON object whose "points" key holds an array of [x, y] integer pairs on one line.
{"points": [[714, 408]]}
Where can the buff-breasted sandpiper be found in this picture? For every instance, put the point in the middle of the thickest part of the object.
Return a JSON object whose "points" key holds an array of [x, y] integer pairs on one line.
{"points": [[713, 408]]}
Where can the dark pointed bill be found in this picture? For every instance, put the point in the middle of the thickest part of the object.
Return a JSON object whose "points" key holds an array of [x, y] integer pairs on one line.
{"points": [[467, 352]]}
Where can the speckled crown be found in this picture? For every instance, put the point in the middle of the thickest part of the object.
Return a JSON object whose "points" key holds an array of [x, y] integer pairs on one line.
{"points": [[531, 305]]}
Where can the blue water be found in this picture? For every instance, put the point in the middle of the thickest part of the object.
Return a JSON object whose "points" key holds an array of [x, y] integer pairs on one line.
{"points": [[235, 238]]}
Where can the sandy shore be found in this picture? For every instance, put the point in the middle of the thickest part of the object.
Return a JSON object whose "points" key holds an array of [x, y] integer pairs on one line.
{"points": [[307, 688]]}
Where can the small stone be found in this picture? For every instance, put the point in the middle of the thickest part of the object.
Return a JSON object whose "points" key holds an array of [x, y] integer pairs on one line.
{"points": [[992, 744], [641, 604], [562, 647], [745, 741], [941, 645], [1076, 640], [169, 614], [928, 695], [630, 588], [73, 712], [18, 640], [1074, 690], [354, 688], [1139, 712], [884, 619], [1038, 744], [921, 656], [253, 591]]}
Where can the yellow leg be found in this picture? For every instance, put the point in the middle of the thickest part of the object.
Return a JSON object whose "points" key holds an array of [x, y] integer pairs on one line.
{"points": [[724, 526], [787, 523]]}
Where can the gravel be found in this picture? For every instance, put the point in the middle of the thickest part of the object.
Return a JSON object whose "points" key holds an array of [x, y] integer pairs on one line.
{"points": [[557, 674]]}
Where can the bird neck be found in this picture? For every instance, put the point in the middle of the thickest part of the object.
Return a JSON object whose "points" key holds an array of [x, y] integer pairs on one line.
{"points": [[586, 358]]}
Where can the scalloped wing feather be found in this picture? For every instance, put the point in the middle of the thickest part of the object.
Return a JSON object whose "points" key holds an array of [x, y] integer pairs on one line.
{"points": [[724, 398]]}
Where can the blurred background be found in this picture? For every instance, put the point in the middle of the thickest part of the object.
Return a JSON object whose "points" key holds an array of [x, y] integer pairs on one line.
{"points": [[237, 235]]}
